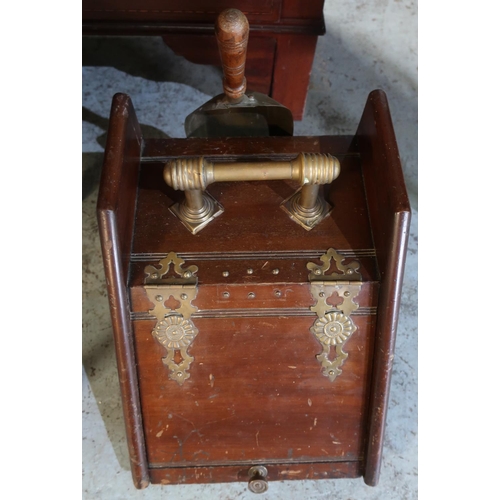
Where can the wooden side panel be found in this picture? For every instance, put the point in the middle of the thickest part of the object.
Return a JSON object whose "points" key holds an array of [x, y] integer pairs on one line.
{"points": [[115, 212], [120, 173], [389, 210]]}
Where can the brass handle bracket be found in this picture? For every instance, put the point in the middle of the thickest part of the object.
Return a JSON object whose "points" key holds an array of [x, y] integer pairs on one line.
{"points": [[193, 175]]}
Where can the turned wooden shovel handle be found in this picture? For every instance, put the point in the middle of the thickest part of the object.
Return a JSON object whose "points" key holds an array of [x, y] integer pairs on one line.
{"points": [[231, 30]]}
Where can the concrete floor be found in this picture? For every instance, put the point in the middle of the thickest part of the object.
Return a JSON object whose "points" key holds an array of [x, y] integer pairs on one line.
{"points": [[367, 46]]}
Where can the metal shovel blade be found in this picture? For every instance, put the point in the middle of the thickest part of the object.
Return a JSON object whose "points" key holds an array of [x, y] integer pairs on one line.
{"points": [[254, 115]]}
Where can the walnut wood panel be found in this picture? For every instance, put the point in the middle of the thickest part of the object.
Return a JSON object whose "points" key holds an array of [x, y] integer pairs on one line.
{"points": [[192, 11], [390, 218], [277, 472], [202, 49], [256, 393], [115, 212]]}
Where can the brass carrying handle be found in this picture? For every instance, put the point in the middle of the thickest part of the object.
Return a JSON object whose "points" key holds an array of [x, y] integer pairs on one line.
{"points": [[231, 31], [193, 175], [311, 170]]}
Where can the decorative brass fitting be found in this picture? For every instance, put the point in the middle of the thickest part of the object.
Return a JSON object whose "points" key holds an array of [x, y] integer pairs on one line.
{"points": [[334, 325], [193, 175], [258, 479], [174, 329]]}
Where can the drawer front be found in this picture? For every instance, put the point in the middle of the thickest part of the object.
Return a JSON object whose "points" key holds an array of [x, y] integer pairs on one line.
{"points": [[178, 11], [275, 472]]}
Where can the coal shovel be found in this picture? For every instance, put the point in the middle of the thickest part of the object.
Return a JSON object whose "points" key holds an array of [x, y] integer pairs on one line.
{"points": [[237, 113]]}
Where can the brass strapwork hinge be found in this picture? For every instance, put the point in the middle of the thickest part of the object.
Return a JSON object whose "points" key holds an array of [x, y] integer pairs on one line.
{"points": [[174, 329], [334, 325]]}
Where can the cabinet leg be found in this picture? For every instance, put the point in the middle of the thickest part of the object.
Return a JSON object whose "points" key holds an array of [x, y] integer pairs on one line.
{"points": [[292, 70]]}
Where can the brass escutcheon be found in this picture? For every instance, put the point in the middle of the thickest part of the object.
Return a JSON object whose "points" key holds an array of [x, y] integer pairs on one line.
{"points": [[174, 329], [333, 326]]}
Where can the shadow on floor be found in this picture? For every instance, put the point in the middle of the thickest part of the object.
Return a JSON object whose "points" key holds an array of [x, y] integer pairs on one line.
{"points": [[152, 59]]}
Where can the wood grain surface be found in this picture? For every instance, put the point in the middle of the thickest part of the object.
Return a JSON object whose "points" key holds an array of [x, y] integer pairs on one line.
{"points": [[256, 393], [390, 212], [115, 215]]}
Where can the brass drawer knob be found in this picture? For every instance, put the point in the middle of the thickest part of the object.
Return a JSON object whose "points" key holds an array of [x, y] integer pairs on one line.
{"points": [[258, 481]]}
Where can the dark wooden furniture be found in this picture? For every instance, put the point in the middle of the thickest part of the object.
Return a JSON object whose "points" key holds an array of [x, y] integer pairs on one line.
{"points": [[256, 394], [283, 35]]}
